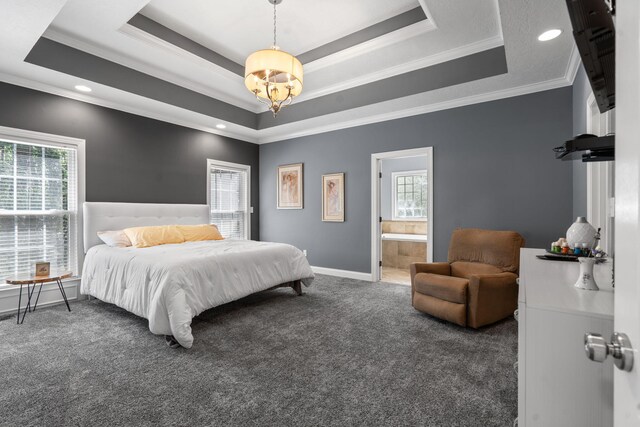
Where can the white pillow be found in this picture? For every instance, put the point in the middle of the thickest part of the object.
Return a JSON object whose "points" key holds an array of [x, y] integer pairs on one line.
{"points": [[115, 239]]}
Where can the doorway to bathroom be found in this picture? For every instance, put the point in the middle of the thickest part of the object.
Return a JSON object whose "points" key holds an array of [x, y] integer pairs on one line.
{"points": [[402, 212]]}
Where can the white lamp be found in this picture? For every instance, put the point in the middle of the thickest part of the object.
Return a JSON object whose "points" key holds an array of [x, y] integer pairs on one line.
{"points": [[581, 232]]}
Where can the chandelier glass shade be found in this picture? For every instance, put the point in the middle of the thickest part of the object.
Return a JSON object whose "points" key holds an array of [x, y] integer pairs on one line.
{"points": [[275, 77]]}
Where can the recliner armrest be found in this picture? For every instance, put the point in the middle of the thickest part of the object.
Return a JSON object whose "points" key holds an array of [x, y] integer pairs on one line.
{"points": [[442, 268], [491, 297], [495, 278]]}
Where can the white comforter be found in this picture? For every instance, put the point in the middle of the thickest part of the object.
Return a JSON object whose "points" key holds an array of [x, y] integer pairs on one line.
{"points": [[171, 284]]}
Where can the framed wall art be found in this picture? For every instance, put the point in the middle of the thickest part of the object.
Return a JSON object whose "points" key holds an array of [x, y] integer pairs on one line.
{"points": [[290, 186], [333, 197]]}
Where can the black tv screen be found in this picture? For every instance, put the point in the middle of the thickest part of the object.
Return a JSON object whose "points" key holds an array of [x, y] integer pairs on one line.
{"points": [[594, 32]]}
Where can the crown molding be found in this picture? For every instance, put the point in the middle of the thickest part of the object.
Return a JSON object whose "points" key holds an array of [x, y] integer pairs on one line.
{"points": [[148, 38], [573, 65], [315, 125], [399, 113], [368, 46], [132, 29], [246, 134], [349, 53], [393, 37], [406, 67], [253, 136], [425, 8], [496, 4], [66, 39], [379, 42]]}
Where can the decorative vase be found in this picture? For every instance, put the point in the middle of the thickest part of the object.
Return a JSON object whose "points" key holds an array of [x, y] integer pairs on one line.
{"points": [[586, 280], [581, 232]]}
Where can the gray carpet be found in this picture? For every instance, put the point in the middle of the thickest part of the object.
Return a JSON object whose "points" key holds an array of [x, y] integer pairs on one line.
{"points": [[348, 352]]}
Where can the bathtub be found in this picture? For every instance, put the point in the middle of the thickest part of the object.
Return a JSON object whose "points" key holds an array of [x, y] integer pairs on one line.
{"points": [[405, 237]]}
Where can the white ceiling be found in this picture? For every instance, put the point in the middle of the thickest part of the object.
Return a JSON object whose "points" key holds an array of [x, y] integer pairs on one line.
{"points": [[456, 28], [238, 27]]}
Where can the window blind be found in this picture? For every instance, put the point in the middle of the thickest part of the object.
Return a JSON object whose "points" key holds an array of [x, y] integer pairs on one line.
{"points": [[228, 201], [38, 207]]}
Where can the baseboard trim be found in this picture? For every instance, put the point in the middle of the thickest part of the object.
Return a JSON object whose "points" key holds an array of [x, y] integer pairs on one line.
{"points": [[50, 295], [342, 273]]}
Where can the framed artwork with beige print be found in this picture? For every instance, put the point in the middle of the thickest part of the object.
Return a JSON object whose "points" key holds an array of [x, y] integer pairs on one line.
{"points": [[333, 197], [290, 186]]}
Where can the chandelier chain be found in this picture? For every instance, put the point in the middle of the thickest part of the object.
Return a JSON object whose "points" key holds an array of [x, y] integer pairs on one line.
{"points": [[274, 24]]}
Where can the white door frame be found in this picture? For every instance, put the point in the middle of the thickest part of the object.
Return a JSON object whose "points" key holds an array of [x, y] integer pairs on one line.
{"points": [[376, 238], [600, 211], [233, 167]]}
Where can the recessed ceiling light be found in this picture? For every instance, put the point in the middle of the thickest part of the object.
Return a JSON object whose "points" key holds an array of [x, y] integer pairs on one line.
{"points": [[549, 35], [221, 126], [83, 88]]}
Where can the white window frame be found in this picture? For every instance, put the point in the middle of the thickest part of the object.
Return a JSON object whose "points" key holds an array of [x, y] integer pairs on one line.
{"points": [[394, 194], [600, 178], [21, 136], [233, 167]]}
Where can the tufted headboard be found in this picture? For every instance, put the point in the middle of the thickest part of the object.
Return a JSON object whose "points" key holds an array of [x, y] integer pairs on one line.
{"points": [[103, 216]]}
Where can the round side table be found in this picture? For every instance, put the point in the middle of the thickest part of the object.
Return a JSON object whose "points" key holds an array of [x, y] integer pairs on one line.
{"points": [[32, 282]]}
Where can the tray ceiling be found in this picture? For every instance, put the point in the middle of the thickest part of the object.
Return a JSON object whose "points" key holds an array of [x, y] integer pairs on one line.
{"points": [[365, 60], [237, 28]]}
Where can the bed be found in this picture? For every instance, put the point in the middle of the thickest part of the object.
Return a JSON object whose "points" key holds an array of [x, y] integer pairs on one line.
{"points": [[171, 284]]}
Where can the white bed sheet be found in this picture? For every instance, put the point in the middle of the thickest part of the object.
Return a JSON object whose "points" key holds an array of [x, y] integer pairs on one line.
{"points": [[171, 284]]}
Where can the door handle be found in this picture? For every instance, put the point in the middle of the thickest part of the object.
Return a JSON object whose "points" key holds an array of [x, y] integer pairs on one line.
{"points": [[597, 349]]}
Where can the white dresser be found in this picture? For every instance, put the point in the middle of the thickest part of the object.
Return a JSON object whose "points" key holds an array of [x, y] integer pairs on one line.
{"points": [[557, 384]]}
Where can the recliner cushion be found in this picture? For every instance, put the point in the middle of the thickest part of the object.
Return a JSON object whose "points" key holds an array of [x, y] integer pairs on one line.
{"points": [[447, 288], [466, 269], [499, 248]]}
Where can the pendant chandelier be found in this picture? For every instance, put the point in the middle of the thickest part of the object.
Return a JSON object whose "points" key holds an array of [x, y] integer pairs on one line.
{"points": [[272, 75]]}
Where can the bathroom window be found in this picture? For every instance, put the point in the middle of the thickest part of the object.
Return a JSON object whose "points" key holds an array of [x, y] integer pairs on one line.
{"points": [[410, 195]]}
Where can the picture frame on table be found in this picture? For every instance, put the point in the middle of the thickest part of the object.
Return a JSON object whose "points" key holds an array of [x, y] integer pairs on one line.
{"points": [[42, 269]]}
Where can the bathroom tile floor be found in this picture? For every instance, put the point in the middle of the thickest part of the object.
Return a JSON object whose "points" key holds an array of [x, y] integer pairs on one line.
{"points": [[396, 275]]}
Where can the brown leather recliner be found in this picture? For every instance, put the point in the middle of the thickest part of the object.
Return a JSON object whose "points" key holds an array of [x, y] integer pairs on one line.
{"points": [[477, 286]]}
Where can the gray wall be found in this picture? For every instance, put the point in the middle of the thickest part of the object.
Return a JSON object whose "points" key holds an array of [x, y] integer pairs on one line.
{"points": [[581, 91], [131, 158], [387, 167], [493, 168]]}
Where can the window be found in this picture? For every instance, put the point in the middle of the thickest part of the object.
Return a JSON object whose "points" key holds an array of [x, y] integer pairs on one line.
{"points": [[409, 195], [38, 205], [229, 198]]}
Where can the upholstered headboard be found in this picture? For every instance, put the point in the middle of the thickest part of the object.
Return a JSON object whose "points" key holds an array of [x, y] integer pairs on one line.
{"points": [[102, 216]]}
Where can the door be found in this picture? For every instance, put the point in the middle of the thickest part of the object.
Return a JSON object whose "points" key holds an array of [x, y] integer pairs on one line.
{"points": [[627, 222]]}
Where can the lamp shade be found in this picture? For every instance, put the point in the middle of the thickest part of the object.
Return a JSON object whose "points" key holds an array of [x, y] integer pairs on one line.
{"points": [[280, 68]]}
